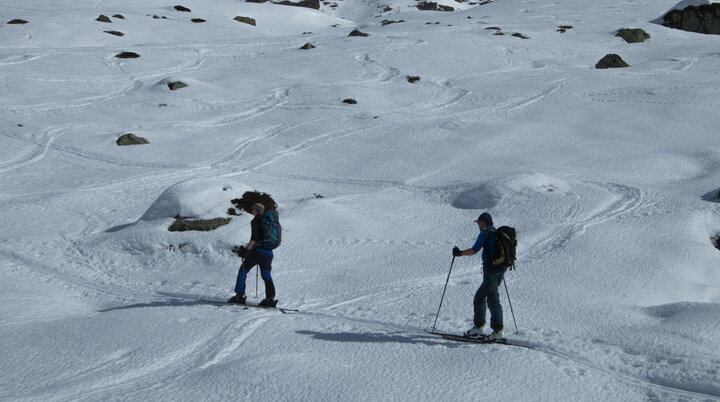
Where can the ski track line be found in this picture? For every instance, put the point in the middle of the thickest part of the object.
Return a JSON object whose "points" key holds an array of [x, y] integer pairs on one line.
{"points": [[629, 200], [249, 329], [41, 149]]}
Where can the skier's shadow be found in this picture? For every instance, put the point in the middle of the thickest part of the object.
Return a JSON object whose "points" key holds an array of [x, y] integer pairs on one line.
{"points": [[366, 337], [163, 303]]}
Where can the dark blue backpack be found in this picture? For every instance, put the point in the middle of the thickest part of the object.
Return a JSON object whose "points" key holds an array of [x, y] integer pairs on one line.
{"points": [[271, 231]]}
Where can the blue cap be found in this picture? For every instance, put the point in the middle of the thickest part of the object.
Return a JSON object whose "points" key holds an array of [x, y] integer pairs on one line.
{"points": [[484, 217]]}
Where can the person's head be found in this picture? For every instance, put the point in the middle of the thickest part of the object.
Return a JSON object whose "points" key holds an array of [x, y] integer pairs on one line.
{"points": [[258, 209], [484, 220]]}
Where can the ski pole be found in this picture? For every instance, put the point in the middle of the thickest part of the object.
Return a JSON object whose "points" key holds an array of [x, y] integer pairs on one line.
{"points": [[443, 295], [256, 281], [511, 307]]}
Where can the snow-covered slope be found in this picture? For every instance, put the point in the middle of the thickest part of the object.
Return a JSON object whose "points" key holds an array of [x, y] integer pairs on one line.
{"points": [[609, 176]]}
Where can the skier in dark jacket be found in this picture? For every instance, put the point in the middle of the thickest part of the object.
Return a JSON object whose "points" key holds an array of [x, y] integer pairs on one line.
{"points": [[255, 255], [488, 293]]}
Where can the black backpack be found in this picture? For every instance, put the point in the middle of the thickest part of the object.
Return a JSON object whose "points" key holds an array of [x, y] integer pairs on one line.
{"points": [[271, 231], [502, 254]]}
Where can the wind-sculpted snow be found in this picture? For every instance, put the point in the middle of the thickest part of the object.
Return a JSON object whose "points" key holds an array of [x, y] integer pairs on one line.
{"points": [[609, 177]]}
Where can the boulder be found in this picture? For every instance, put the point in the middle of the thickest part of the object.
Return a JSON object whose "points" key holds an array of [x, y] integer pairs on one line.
{"points": [[413, 78], [183, 9], [307, 46], [703, 19], [611, 61], [315, 4], [116, 33], [127, 55], [245, 20], [103, 18], [350, 101], [131, 139], [119, 16], [635, 35], [356, 32], [176, 85], [17, 21], [197, 20], [250, 198]]}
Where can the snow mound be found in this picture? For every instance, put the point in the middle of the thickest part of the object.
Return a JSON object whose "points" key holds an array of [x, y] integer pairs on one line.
{"points": [[203, 198], [489, 195]]}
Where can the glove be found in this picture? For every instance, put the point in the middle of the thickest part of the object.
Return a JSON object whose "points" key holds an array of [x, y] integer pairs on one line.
{"points": [[241, 251], [456, 252]]}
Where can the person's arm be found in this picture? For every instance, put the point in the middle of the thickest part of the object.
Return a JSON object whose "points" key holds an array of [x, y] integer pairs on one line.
{"points": [[469, 251]]}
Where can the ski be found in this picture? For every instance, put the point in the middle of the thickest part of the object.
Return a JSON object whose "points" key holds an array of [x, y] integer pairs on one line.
{"points": [[247, 306], [460, 338]]}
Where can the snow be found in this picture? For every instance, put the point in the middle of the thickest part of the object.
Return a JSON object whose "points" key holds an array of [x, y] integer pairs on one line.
{"points": [[609, 176]]}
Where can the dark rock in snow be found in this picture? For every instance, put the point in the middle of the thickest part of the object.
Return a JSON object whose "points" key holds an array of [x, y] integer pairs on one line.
{"points": [[17, 21], [255, 1], [636, 35], [307, 46], [413, 78], [703, 19], [251, 198], [103, 18], [432, 6], [611, 61], [119, 16], [131, 139], [127, 55], [521, 36], [315, 4], [388, 22], [183, 9], [116, 33], [350, 101], [176, 85], [356, 32], [197, 20], [245, 20]]}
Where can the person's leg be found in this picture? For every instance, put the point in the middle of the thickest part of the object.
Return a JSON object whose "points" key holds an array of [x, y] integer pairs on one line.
{"points": [[250, 262], [493, 300], [265, 269], [479, 304]]}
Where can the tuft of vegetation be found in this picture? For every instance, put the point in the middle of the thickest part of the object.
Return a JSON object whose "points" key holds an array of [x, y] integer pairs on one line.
{"points": [[251, 198], [186, 224]]}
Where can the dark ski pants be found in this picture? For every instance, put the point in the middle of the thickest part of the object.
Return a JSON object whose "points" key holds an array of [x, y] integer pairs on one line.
{"points": [[488, 296], [264, 260]]}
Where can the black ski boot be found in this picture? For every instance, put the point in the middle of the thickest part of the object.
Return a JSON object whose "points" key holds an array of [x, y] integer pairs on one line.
{"points": [[237, 299], [268, 303]]}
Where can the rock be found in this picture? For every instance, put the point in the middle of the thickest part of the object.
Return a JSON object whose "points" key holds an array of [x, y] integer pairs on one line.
{"points": [[494, 28], [307, 46], [440, 7], [413, 78], [250, 198], [315, 4], [131, 139], [17, 21], [350, 101], [255, 1], [611, 61], [388, 22], [197, 20], [119, 16], [183, 9], [185, 224], [636, 35], [521, 36], [703, 19], [245, 20], [127, 55], [356, 32], [116, 33], [103, 18], [176, 85]]}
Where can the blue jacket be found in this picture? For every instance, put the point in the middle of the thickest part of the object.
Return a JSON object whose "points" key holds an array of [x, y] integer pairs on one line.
{"points": [[485, 242]]}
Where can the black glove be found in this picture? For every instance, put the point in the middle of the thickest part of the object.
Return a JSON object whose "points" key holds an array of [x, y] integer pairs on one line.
{"points": [[456, 252], [241, 251]]}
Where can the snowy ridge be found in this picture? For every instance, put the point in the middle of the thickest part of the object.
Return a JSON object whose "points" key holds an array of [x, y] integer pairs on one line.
{"points": [[609, 177]]}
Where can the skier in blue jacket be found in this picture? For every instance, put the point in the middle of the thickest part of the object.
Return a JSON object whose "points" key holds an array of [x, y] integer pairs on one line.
{"points": [[488, 293]]}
